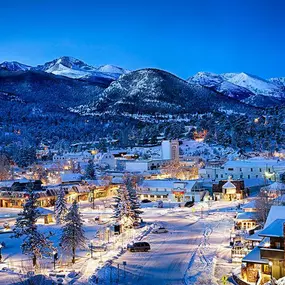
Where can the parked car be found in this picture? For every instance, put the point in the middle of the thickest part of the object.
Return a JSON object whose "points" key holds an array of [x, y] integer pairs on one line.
{"points": [[160, 230], [146, 201], [189, 204], [138, 246]]}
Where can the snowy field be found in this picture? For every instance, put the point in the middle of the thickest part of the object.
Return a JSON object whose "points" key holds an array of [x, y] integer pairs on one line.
{"points": [[194, 251]]}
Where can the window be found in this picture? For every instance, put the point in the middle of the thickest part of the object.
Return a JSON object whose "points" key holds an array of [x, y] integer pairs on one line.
{"points": [[217, 176], [208, 175], [260, 170], [222, 176], [248, 176], [256, 176], [251, 169], [230, 169], [240, 169], [278, 245], [241, 176]]}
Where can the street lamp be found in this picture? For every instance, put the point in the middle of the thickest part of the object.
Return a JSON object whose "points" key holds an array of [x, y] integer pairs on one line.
{"points": [[270, 265], [91, 248], [55, 257], [1, 252]]}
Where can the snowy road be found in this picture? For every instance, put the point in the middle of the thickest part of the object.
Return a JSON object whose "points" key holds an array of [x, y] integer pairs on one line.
{"points": [[181, 256]]}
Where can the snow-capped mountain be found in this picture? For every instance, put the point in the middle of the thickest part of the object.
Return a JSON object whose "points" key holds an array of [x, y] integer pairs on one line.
{"points": [[151, 92], [247, 88], [280, 81], [255, 84], [77, 69], [14, 66]]}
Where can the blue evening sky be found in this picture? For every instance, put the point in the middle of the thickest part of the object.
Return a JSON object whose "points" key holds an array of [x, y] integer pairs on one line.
{"points": [[181, 36]]}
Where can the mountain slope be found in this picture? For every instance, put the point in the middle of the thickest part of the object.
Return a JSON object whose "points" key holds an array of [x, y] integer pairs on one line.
{"points": [[249, 89], [153, 91], [48, 91], [77, 69], [14, 66]]}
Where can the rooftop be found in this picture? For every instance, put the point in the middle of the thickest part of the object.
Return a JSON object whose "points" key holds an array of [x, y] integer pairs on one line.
{"points": [[254, 256], [275, 229]]}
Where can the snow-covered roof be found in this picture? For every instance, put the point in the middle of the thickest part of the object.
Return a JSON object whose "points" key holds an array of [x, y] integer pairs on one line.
{"points": [[254, 163], [71, 177], [275, 229], [98, 182], [160, 183], [254, 257], [246, 216], [229, 185], [117, 180], [276, 186], [254, 237], [9, 183], [250, 205], [276, 212], [252, 182]]}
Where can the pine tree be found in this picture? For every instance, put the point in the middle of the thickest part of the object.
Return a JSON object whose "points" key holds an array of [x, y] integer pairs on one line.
{"points": [[90, 172], [134, 200], [35, 243], [60, 207], [72, 232], [126, 207]]}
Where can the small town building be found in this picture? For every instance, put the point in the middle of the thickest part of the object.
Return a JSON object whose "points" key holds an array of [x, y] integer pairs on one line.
{"points": [[267, 259], [14, 193], [171, 190], [229, 190]]}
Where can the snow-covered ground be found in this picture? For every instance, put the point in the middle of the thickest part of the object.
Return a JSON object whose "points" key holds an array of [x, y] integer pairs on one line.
{"points": [[194, 251]]}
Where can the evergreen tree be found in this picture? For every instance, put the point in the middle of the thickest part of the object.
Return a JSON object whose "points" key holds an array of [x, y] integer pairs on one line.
{"points": [[72, 232], [134, 200], [126, 207], [60, 207], [90, 172], [35, 243]]}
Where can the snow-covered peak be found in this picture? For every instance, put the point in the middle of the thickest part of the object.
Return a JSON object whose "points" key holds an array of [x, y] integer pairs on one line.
{"points": [[75, 68], [108, 68], [280, 81], [14, 66], [255, 84], [207, 79]]}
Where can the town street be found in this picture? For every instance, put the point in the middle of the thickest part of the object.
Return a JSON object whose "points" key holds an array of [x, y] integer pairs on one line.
{"points": [[192, 250]]}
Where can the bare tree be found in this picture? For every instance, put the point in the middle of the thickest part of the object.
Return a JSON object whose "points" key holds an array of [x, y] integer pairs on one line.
{"points": [[263, 205], [4, 167]]}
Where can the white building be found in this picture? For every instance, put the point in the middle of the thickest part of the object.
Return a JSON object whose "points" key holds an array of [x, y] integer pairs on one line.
{"points": [[145, 165], [106, 160], [171, 190], [244, 169], [84, 156], [170, 149]]}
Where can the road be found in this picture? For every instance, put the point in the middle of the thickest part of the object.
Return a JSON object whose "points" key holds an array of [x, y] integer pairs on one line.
{"points": [[182, 256]]}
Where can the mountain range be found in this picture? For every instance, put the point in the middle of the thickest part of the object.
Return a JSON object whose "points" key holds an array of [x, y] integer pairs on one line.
{"points": [[79, 87]]}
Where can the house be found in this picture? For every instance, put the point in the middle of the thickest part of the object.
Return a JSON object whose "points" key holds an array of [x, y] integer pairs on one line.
{"points": [[229, 190], [267, 259], [105, 160], [14, 193], [274, 190], [83, 156], [171, 190]]}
